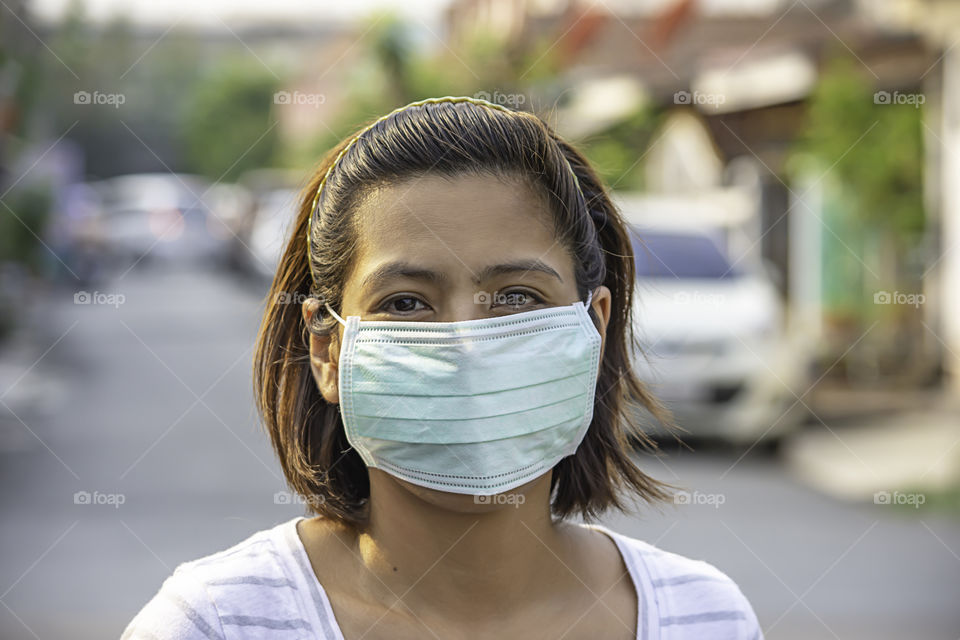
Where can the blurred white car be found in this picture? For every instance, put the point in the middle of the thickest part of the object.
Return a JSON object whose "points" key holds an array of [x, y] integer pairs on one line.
{"points": [[276, 211], [264, 228], [713, 333], [152, 216]]}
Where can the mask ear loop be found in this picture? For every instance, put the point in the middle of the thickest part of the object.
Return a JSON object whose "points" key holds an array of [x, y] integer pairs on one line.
{"points": [[335, 314], [589, 298]]}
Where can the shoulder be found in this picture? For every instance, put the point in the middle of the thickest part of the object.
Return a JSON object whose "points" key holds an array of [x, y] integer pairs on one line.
{"points": [[247, 585], [694, 598]]}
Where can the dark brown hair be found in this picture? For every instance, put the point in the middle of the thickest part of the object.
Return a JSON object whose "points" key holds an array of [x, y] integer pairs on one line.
{"points": [[449, 138]]}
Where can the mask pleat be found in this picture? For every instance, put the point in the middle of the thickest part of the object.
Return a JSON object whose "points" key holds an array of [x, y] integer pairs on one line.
{"points": [[470, 407]]}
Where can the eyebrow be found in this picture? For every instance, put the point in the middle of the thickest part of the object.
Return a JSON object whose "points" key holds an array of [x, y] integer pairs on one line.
{"points": [[406, 270]]}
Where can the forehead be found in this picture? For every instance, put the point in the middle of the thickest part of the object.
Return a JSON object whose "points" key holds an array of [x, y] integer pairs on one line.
{"points": [[457, 223]]}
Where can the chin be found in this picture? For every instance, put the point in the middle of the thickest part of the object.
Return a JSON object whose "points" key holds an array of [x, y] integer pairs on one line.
{"points": [[467, 503]]}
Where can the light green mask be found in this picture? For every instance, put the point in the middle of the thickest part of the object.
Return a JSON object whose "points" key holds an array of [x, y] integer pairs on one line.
{"points": [[471, 407]]}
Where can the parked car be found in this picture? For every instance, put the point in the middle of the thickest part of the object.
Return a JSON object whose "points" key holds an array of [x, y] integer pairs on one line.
{"points": [[276, 210], [713, 347], [263, 231], [157, 216]]}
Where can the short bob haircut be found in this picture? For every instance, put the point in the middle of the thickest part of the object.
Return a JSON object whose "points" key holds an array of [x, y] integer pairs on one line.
{"points": [[449, 137]]}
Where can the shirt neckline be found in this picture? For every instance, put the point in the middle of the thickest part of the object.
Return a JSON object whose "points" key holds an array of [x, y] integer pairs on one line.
{"points": [[310, 577], [646, 621], [317, 606]]}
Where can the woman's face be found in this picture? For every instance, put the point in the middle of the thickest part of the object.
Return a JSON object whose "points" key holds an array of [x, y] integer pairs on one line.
{"points": [[438, 249]]}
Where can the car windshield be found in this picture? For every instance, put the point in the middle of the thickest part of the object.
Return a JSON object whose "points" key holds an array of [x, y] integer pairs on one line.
{"points": [[677, 254]]}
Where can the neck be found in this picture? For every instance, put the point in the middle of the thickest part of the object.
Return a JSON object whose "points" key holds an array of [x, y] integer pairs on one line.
{"points": [[461, 561]]}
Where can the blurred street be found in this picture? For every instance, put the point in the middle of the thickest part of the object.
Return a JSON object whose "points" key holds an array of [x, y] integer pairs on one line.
{"points": [[786, 174], [148, 403]]}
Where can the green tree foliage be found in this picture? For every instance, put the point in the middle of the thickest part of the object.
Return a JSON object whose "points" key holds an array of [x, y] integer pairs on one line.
{"points": [[228, 127], [152, 73], [391, 70], [617, 152], [868, 149], [31, 204], [873, 148]]}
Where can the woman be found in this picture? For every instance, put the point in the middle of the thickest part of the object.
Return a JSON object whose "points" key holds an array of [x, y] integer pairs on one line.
{"points": [[451, 387]]}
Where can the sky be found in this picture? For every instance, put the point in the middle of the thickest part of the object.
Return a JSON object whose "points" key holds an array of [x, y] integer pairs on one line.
{"points": [[236, 12], [243, 12]]}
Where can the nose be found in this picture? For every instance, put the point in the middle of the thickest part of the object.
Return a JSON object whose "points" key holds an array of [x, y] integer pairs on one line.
{"points": [[466, 305]]}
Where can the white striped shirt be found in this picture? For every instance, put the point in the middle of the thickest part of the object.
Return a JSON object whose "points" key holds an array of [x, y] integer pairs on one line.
{"points": [[265, 587]]}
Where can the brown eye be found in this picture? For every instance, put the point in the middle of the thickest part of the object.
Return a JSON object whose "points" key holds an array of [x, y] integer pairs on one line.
{"points": [[400, 305], [515, 298]]}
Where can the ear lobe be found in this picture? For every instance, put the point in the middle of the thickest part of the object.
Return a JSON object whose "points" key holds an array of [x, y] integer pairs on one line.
{"points": [[309, 308], [602, 304], [324, 367], [323, 364]]}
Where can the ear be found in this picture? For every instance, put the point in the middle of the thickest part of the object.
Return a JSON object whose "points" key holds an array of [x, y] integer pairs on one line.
{"points": [[324, 354], [602, 304]]}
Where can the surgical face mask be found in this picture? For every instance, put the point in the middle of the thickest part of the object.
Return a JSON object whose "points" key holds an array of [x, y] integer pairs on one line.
{"points": [[471, 407]]}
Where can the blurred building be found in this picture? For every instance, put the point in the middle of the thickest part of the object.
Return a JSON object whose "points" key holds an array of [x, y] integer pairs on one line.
{"points": [[734, 77], [938, 22]]}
